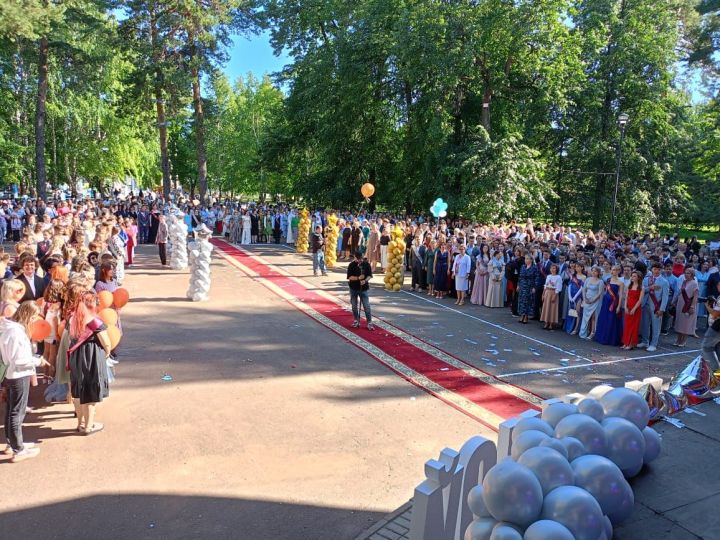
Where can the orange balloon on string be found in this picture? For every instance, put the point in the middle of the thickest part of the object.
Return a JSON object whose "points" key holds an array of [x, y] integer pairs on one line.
{"points": [[120, 298], [105, 299], [109, 316], [115, 336], [40, 330], [367, 190]]}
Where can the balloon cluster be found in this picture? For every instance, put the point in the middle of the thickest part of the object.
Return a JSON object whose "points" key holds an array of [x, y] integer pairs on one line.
{"points": [[566, 476], [301, 244], [395, 272], [694, 384], [331, 239], [177, 233], [439, 208], [200, 251]]}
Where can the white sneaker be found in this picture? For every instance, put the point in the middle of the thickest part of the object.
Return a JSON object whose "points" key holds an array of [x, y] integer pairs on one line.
{"points": [[26, 453], [642, 345], [652, 348], [9, 451]]}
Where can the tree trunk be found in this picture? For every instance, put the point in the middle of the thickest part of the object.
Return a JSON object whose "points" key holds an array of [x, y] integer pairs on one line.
{"points": [[199, 119], [40, 172], [160, 104]]}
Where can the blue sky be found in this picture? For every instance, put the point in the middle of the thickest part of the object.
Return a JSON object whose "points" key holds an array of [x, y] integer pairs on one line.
{"points": [[253, 53]]}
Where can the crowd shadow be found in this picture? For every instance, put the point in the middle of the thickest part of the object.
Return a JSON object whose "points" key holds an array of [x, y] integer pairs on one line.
{"points": [[154, 516]]}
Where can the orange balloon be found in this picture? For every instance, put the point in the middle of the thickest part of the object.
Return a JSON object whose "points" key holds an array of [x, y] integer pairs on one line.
{"points": [[115, 336], [60, 329], [109, 316], [40, 330], [121, 297], [106, 299], [367, 190]]}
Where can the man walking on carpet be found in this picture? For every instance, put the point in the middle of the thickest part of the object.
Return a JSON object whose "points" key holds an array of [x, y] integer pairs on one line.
{"points": [[358, 275]]}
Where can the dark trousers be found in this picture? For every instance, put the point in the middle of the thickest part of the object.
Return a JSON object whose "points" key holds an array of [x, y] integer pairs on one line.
{"points": [[18, 391], [163, 253]]}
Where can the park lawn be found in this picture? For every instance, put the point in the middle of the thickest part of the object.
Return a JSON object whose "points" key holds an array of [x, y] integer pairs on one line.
{"points": [[705, 233]]}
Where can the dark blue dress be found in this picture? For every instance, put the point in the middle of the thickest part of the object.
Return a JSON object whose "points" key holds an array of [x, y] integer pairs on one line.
{"points": [[574, 286], [441, 270], [527, 281], [609, 328]]}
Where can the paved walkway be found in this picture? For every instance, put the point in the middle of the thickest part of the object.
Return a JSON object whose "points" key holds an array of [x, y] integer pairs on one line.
{"points": [[271, 428]]}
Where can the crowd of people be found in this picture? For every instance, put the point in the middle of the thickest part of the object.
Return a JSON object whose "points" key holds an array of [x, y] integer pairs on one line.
{"points": [[619, 290], [62, 256]]}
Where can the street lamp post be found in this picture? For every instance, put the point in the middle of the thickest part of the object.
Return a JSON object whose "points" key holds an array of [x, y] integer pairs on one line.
{"points": [[622, 122]]}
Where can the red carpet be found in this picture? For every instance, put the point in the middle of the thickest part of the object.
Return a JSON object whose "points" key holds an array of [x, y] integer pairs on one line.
{"points": [[451, 378]]}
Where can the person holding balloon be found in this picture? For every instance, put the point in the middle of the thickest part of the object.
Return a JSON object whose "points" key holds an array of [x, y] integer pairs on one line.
{"points": [[16, 353]]}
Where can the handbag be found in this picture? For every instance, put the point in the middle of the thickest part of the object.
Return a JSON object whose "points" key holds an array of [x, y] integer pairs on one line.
{"points": [[572, 312]]}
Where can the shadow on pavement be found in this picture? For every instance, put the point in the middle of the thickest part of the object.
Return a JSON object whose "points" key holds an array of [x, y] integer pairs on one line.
{"points": [[140, 515]]}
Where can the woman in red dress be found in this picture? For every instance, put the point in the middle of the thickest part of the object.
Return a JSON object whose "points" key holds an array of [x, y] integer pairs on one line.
{"points": [[633, 312]]}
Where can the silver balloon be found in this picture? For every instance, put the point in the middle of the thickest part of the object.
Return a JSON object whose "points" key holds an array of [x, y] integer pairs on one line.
{"points": [[526, 424], [555, 444], [512, 493], [698, 381], [605, 481], [626, 404], [674, 399], [557, 411], [653, 444], [626, 445], [526, 440], [655, 404], [574, 447], [476, 503], [546, 529], [589, 432], [577, 510], [592, 408], [480, 529], [505, 531], [549, 466]]}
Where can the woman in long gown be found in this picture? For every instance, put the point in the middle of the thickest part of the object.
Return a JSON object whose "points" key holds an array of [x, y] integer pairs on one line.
{"points": [[440, 271], [551, 297], [633, 311], [430, 266], [527, 283], [609, 328], [246, 233], [574, 294], [702, 276], [496, 269], [384, 242], [481, 276], [592, 293], [686, 308], [254, 228], [87, 357], [373, 246]]}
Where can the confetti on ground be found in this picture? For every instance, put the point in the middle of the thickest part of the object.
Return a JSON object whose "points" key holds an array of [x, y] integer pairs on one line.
{"points": [[444, 369], [507, 350], [536, 353], [449, 335], [566, 381], [471, 341], [531, 349], [491, 364], [564, 360], [167, 378]]}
